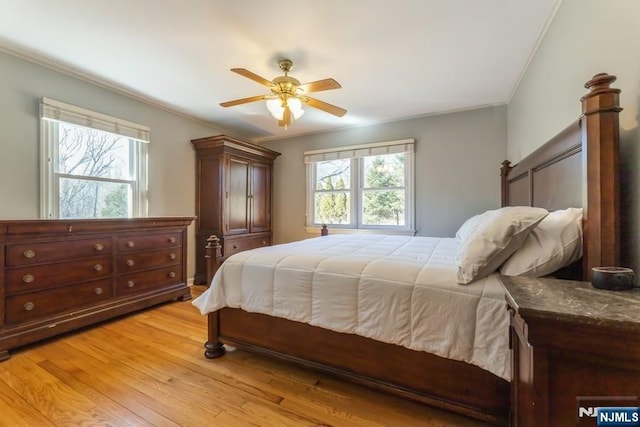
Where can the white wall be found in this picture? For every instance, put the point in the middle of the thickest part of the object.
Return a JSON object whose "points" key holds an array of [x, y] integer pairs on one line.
{"points": [[457, 157], [171, 156], [586, 37]]}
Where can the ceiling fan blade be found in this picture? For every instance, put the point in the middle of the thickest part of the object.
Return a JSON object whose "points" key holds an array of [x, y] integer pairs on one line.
{"points": [[324, 106], [243, 100], [320, 85], [253, 76]]}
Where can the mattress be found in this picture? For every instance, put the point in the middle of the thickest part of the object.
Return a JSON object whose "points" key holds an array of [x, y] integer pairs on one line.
{"points": [[396, 289]]}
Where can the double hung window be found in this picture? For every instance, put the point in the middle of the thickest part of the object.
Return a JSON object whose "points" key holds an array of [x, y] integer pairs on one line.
{"points": [[92, 165], [366, 186]]}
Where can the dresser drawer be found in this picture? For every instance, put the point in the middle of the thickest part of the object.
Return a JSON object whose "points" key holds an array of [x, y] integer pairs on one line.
{"points": [[144, 260], [232, 246], [39, 277], [147, 280], [148, 241], [25, 307], [37, 253]]}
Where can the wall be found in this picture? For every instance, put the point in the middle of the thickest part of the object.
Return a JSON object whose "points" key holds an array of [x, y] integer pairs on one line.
{"points": [[586, 37], [457, 157], [171, 157]]}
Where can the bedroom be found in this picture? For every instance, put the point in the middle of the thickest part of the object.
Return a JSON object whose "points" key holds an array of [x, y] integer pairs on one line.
{"points": [[563, 62]]}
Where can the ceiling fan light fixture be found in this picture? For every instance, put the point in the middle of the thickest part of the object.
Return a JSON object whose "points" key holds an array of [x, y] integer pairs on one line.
{"points": [[276, 108], [295, 105]]}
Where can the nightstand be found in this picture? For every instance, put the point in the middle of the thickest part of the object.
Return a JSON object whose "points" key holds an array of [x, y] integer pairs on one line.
{"points": [[574, 348]]}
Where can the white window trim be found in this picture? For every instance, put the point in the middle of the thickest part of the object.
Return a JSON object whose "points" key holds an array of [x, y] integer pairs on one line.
{"points": [[52, 111], [355, 152]]}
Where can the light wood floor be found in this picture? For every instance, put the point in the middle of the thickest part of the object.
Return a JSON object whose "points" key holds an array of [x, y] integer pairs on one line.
{"points": [[148, 369]]}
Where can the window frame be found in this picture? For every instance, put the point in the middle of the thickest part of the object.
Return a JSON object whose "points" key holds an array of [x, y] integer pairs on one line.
{"points": [[356, 154], [51, 114]]}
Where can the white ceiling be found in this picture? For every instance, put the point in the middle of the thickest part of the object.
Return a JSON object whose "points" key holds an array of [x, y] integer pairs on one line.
{"points": [[394, 58]]}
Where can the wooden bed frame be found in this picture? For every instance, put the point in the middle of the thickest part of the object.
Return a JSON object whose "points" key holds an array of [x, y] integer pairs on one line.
{"points": [[579, 167]]}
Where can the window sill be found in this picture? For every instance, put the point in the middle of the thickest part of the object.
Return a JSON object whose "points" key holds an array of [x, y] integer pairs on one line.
{"points": [[316, 231]]}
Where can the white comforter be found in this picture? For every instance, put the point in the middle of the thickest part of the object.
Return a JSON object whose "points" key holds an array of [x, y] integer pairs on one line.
{"points": [[396, 289]]}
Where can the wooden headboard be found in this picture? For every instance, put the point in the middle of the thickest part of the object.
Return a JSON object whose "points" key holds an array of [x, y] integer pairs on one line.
{"points": [[578, 168]]}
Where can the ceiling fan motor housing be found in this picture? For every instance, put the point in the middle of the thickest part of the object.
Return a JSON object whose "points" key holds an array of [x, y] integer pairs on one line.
{"points": [[285, 85]]}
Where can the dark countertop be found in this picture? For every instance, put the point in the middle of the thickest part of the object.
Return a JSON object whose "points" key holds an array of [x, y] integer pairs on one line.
{"points": [[574, 301]]}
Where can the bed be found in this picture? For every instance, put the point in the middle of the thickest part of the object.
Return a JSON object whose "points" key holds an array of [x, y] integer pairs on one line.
{"points": [[576, 169]]}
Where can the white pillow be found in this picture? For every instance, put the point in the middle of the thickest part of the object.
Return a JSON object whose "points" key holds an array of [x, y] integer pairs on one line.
{"points": [[498, 235], [471, 224], [554, 243]]}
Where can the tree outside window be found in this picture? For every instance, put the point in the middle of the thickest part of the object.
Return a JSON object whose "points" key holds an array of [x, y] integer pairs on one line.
{"points": [[383, 191], [95, 173], [362, 192]]}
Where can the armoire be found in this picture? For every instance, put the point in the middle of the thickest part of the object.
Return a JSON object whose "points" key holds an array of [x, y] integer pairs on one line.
{"points": [[233, 196]]}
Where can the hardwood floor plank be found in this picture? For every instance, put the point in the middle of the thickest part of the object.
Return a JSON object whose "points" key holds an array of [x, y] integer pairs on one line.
{"points": [[105, 383], [198, 364], [148, 369], [62, 369], [228, 372], [277, 416], [53, 399], [158, 393], [17, 412]]}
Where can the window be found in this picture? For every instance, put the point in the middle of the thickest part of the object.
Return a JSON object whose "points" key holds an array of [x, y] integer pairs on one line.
{"points": [[92, 165], [362, 187]]}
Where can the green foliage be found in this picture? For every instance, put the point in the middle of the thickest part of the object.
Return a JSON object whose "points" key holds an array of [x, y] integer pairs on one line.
{"points": [[116, 203], [332, 207], [327, 203], [384, 206], [383, 191]]}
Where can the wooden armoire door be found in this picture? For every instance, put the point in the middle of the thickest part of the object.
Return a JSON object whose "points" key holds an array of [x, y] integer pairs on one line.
{"points": [[260, 197], [238, 196]]}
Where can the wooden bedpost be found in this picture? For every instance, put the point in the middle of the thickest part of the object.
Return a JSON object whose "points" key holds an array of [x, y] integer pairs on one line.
{"points": [[213, 347], [600, 136], [213, 255], [504, 184]]}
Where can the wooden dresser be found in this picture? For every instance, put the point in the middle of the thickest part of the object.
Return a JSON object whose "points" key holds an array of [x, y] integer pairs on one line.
{"points": [[574, 348], [59, 275], [233, 196]]}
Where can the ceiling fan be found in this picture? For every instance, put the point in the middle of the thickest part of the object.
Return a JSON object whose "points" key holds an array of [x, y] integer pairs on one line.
{"points": [[288, 95]]}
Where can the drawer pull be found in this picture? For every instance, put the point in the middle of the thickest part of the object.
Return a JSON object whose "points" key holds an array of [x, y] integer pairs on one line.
{"points": [[235, 246], [28, 306], [98, 291], [98, 267], [264, 243], [98, 247], [172, 256], [172, 274], [130, 284], [172, 239], [130, 262], [130, 244], [28, 278], [28, 254]]}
